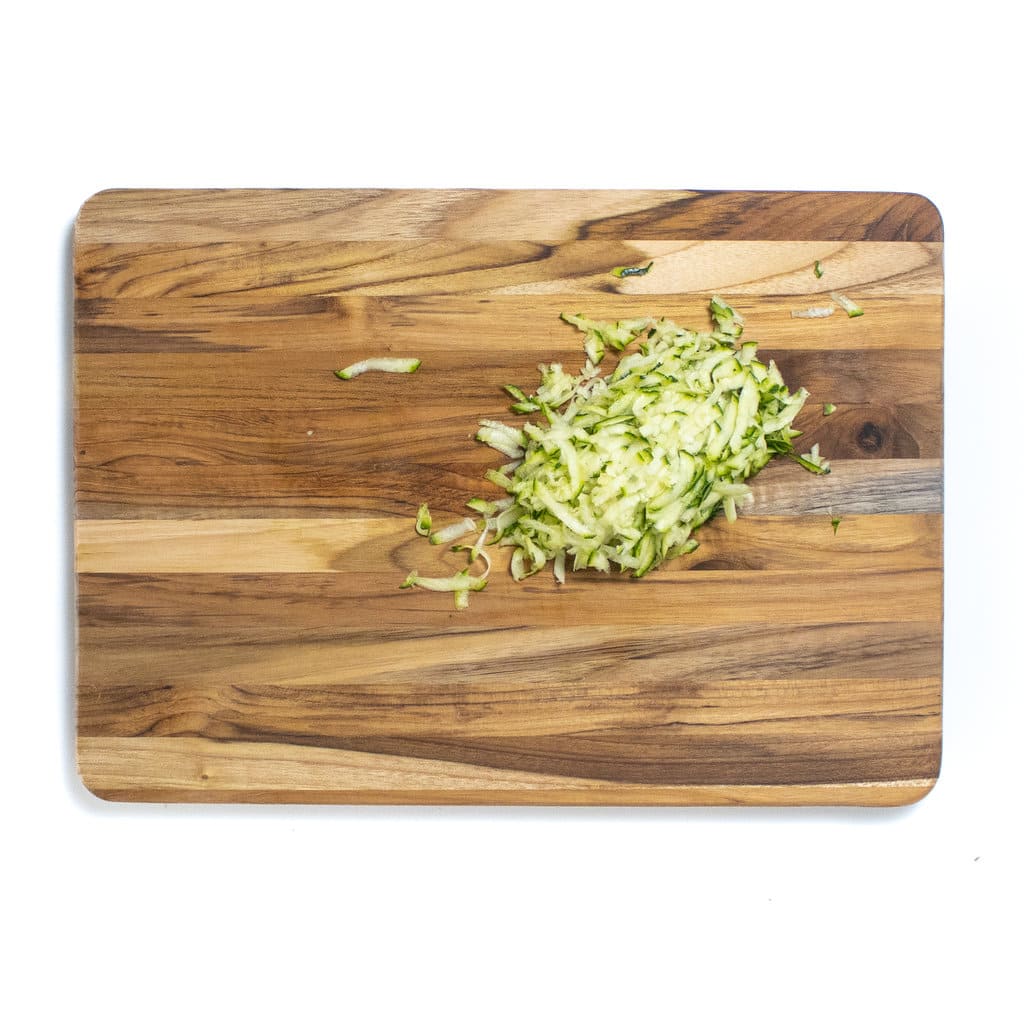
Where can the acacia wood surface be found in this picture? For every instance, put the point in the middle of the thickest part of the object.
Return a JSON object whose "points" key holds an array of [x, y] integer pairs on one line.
{"points": [[244, 518]]}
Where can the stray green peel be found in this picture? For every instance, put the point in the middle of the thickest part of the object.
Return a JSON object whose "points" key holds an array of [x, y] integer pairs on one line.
{"points": [[827, 409], [811, 461], [851, 307], [729, 322], [632, 271], [423, 521]]}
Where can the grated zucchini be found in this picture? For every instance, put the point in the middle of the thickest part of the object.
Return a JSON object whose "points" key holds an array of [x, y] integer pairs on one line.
{"points": [[624, 467], [619, 470]]}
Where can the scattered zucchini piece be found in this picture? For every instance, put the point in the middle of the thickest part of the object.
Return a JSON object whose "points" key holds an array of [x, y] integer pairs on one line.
{"points": [[851, 307], [811, 461], [814, 313], [423, 521], [615, 335], [483, 506], [835, 524], [632, 271], [593, 346], [386, 365], [827, 409], [818, 269], [501, 437], [729, 322], [522, 403], [460, 585], [453, 531]]}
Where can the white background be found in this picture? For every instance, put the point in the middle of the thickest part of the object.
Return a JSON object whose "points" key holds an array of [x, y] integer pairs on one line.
{"points": [[122, 913]]}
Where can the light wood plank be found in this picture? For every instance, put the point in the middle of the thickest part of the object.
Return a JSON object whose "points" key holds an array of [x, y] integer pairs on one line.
{"points": [[260, 545], [503, 267], [202, 771]]}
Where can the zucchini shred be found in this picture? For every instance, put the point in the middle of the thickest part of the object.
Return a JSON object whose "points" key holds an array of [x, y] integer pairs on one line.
{"points": [[619, 470]]}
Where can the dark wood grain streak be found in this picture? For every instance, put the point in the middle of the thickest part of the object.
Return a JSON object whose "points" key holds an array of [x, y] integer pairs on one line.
{"points": [[676, 758], [780, 216], [509, 705], [884, 747]]}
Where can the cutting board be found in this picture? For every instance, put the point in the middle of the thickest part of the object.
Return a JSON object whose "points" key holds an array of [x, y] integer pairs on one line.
{"points": [[244, 519]]}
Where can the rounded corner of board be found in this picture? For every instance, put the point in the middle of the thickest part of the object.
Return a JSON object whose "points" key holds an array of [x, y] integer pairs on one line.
{"points": [[926, 787], [97, 198], [931, 209]]}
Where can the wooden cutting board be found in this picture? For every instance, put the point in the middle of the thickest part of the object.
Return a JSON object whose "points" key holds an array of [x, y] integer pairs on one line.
{"points": [[244, 518]]}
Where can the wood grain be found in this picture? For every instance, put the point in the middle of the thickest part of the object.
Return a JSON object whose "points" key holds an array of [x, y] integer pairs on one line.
{"points": [[243, 518], [200, 215], [208, 771], [443, 267], [312, 322], [263, 545]]}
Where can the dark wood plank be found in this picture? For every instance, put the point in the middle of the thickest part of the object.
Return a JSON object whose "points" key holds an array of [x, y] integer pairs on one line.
{"points": [[529, 324], [326, 606], [280, 380]]}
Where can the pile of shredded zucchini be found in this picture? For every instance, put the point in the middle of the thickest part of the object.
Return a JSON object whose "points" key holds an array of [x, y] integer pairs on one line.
{"points": [[619, 470]]}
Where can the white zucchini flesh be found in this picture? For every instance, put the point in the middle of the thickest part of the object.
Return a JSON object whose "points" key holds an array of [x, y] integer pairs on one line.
{"points": [[383, 365], [812, 313], [851, 307]]}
